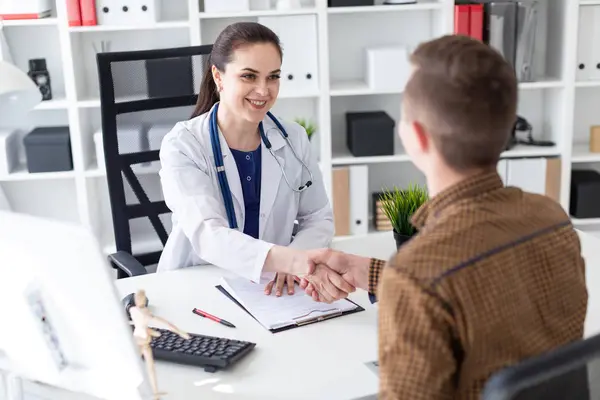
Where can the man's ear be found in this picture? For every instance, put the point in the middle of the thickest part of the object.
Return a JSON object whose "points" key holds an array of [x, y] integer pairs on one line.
{"points": [[422, 138]]}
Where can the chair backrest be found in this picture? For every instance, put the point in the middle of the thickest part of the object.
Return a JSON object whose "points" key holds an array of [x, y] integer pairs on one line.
{"points": [[142, 95], [569, 372]]}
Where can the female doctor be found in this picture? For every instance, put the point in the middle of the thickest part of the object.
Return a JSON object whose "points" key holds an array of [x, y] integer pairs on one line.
{"points": [[236, 177]]}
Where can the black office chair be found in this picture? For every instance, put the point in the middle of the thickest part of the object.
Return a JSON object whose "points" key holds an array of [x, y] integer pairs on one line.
{"points": [[140, 90], [563, 374]]}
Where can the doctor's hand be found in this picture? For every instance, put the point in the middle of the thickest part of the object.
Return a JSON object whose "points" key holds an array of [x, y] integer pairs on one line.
{"points": [[279, 282]]}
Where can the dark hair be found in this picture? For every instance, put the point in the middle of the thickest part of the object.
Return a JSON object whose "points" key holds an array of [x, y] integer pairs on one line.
{"points": [[232, 37], [465, 94]]}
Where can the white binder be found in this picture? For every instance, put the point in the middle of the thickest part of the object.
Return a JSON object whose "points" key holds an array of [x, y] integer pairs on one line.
{"points": [[528, 174], [594, 45], [300, 67], [139, 12], [536, 175], [359, 199], [585, 50]]}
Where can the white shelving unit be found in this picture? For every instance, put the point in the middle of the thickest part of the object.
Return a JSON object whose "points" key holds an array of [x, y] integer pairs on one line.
{"points": [[559, 107]]}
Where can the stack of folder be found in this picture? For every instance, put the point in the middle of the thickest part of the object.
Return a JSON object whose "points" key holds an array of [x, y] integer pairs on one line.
{"points": [[351, 200], [82, 12], [468, 20], [382, 222], [588, 51], [543, 175], [510, 26], [113, 12], [25, 9]]}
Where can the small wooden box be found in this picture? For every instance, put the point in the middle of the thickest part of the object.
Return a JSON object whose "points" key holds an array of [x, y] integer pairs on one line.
{"points": [[595, 139]]}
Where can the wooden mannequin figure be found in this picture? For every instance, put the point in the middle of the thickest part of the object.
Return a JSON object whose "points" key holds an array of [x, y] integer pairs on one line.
{"points": [[141, 318]]}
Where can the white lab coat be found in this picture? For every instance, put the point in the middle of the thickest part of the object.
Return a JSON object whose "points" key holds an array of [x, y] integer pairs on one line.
{"points": [[201, 232]]}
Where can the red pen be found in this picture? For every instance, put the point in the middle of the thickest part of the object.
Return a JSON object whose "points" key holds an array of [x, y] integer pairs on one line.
{"points": [[209, 316]]}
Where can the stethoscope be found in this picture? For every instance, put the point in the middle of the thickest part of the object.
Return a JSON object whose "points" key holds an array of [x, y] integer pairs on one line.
{"points": [[216, 148]]}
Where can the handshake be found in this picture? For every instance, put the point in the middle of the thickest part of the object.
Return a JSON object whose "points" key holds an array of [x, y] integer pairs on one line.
{"points": [[332, 275], [326, 275]]}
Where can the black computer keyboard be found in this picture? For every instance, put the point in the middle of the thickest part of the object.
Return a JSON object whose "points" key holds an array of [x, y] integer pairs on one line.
{"points": [[210, 352]]}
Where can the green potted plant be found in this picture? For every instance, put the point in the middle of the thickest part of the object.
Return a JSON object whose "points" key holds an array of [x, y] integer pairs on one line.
{"points": [[307, 125], [399, 205]]}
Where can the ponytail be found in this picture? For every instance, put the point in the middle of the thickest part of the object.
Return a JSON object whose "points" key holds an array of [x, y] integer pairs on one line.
{"points": [[229, 39], [208, 96]]}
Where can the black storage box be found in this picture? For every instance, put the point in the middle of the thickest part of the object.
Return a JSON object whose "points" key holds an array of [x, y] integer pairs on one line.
{"points": [[350, 3], [170, 77], [48, 149], [585, 194], [370, 133]]}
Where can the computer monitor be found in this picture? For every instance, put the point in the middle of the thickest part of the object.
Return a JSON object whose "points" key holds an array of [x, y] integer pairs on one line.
{"points": [[62, 323]]}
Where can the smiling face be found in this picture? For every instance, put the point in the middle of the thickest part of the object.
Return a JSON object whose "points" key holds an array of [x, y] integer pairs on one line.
{"points": [[249, 86]]}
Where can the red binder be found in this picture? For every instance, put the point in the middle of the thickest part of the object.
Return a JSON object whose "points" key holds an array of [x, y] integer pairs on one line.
{"points": [[462, 25], [74, 12], [88, 12], [476, 18]]}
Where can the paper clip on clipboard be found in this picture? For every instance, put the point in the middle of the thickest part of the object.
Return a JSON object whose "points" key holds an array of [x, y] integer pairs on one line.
{"points": [[306, 319]]}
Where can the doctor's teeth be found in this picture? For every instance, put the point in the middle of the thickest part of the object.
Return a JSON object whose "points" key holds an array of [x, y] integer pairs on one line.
{"points": [[258, 103]]}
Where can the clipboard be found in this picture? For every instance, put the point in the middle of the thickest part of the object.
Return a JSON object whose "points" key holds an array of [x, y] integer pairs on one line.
{"points": [[304, 322]]}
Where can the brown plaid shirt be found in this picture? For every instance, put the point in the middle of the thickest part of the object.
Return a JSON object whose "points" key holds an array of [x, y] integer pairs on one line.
{"points": [[494, 276]]}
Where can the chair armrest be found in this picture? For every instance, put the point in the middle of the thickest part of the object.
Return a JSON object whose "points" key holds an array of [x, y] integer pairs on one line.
{"points": [[127, 263]]}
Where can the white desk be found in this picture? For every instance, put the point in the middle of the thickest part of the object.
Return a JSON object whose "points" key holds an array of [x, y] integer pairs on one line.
{"points": [[319, 361], [326, 359]]}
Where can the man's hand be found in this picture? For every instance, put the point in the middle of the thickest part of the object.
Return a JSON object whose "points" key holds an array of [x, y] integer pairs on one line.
{"points": [[353, 269], [326, 285]]}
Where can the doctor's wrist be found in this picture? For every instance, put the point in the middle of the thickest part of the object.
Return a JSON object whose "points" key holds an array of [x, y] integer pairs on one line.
{"points": [[287, 260]]}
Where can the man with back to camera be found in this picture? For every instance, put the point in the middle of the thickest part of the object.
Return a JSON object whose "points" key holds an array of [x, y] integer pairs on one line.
{"points": [[495, 274]]}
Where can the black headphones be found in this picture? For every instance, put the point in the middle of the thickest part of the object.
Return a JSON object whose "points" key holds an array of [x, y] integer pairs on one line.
{"points": [[128, 302]]}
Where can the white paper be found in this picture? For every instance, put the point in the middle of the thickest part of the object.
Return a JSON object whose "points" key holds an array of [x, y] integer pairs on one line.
{"points": [[274, 312]]}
